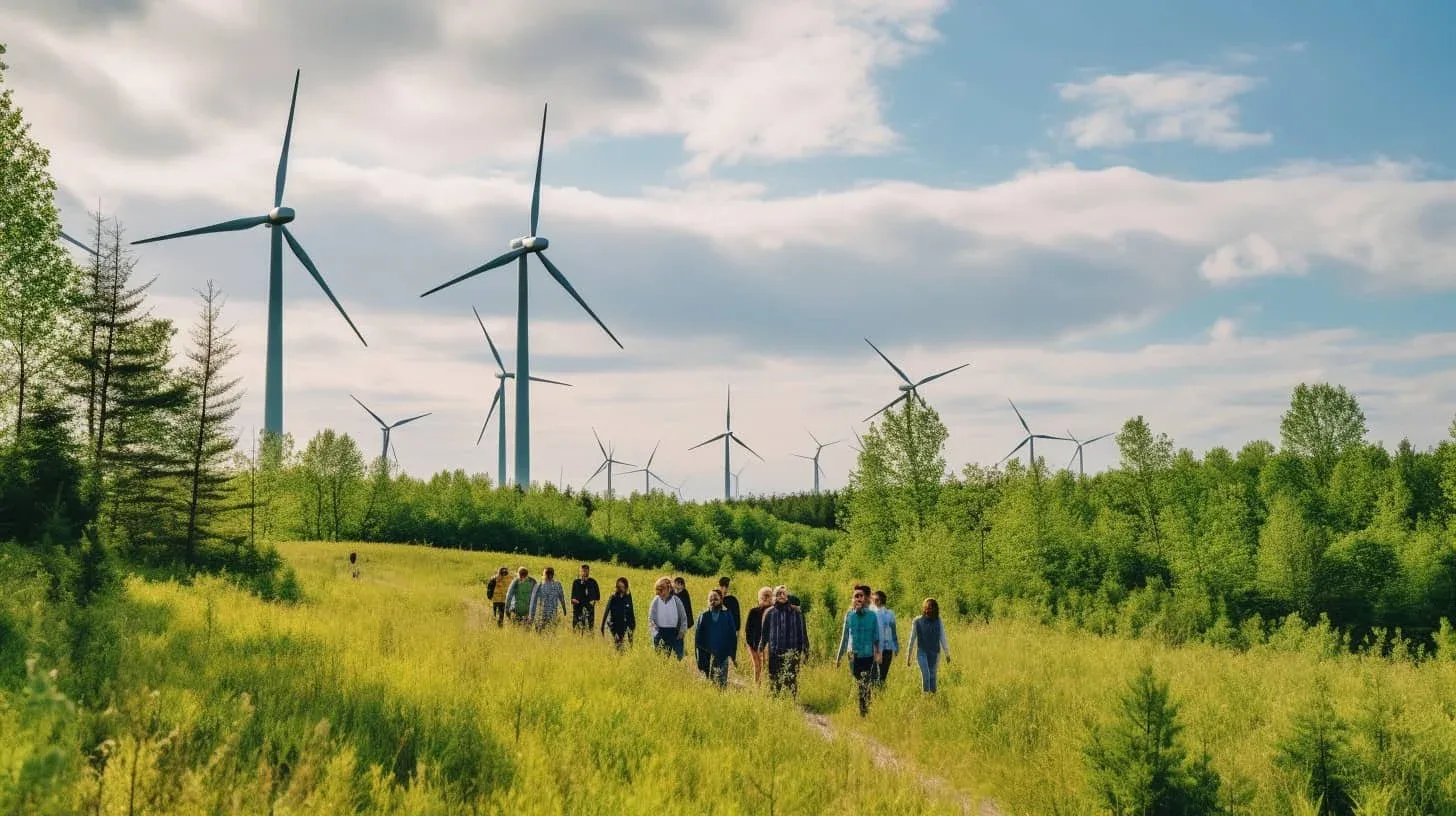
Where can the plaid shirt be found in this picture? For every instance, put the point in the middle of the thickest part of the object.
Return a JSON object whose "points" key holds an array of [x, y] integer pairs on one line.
{"points": [[784, 630]]}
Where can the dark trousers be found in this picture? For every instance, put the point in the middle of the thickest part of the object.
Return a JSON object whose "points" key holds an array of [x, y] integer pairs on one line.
{"points": [[584, 616], [863, 669], [622, 639], [886, 658], [500, 613], [783, 672], [667, 640], [715, 668]]}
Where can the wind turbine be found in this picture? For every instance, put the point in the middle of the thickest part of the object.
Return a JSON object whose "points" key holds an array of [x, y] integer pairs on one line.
{"points": [[1030, 439], [88, 250], [608, 459], [728, 437], [500, 396], [521, 247], [907, 388], [647, 474], [815, 458], [277, 219], [1077, 455], [736, 474], [386, 427]]}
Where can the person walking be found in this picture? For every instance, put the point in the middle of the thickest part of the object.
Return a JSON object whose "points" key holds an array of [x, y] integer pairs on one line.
{"points": [[518, 595], [548, 599], [667, 619], [619, 616], [584, 596], [730, 603], [354, 565], [680, 591], [786, 639], [928, 633], [753, 632], [889, 635], [495, 590], [716, 641], [861, 637]]}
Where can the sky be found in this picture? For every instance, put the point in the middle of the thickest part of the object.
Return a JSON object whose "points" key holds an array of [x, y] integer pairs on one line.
{"points": [[1178, 211]]}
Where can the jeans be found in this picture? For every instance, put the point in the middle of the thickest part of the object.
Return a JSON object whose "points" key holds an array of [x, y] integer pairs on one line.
{"points": [[499, 609], [718, 670], [783, 672], [863, 669], [929, 662], [667, 640], [584, 616], [886, 658], [622, 639]]}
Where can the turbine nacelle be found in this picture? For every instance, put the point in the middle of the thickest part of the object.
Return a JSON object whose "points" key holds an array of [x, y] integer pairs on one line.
{"points": [[280, 215], [530, 243], [907, 387]]}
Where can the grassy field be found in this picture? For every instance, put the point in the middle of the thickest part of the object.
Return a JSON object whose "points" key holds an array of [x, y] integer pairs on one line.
{"points": [[396, 693]]}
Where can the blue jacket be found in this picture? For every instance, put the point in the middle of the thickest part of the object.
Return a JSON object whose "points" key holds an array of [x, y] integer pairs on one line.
{"points": [[716, 634]]}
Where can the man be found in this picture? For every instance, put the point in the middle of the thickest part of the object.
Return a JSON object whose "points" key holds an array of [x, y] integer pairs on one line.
{"points": [[584, 596], [495, 590], [547, 600], [730, 603], [862, 637], [680, 591], [889, 635], [786, 639], [716, 640], [518, 595]]}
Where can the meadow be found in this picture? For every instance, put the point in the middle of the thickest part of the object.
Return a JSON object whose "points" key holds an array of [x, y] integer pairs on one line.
{"points": [[396, 693]]}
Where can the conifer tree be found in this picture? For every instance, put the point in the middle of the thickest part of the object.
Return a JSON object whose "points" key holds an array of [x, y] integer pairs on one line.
{"points": [[1317, 752], [213, 401]]}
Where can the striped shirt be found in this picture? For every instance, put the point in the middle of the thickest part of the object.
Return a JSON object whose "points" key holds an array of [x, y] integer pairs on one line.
{"points": [[784, 630]]}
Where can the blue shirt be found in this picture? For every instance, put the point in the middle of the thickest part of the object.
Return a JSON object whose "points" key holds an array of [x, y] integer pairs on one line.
{"points": [[861, 634]]}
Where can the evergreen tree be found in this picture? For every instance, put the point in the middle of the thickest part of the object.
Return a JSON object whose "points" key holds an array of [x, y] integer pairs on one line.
{"points": [[213, 403], [1317, 753]]}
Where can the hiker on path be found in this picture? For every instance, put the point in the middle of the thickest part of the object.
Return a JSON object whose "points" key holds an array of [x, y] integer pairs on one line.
{"points": [[518, 595], [680, 591], [584, 596], [716, 641], [928, 633], [667, 619], [730, 603], [862, 637], [619, 616], [889, 634], [753, 632], [354, 565], [786, 639], [548, 599], [495, 590]]}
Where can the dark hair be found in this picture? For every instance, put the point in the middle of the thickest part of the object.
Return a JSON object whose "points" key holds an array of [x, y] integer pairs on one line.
{"points": [[550, 572], [865, 588], [880, 596], [722, 582], [678, 579], [930, 609], [505, 570], [586, 566], [622, 582]]}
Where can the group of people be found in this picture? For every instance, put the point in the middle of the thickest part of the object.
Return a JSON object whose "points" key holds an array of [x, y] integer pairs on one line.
{"points": [[774, 631]]}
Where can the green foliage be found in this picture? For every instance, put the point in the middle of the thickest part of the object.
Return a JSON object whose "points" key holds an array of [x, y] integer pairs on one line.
{"points": [[1322, 423], [1316, 752]]}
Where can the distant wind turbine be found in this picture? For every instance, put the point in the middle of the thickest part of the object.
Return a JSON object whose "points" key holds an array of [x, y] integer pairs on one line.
{"points": [[1029, 439], [815, 458], [277, 219], [1077, 455], [728, 437], [648, 474], [520, 248], [608, 460], [500, 397], [386, 427], [908, 388], [736, 474]]}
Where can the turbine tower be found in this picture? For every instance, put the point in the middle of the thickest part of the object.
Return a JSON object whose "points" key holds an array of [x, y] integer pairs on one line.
{"points": [[608, 459], [277, 219], [529, 244], [815, 458], [1077, 455], [500, 397], [728, 437], [647, 473], [908, 388], [1029, 439], [386, 427], [736, 474]]}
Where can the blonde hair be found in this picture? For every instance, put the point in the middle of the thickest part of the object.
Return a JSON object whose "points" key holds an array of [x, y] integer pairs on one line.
{"points": [[765, 593], [662, 582]]}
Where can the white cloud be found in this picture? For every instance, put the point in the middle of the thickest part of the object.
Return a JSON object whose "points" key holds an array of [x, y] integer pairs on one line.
{"points": [[1171, 106]]}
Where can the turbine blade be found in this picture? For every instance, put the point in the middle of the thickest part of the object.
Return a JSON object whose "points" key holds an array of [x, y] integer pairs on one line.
{"points": [[493, 352], [600, 445], [653, 455], [1015, 450], [565, 284], [892, 404], [225, 226], [1024, 426], [536, 189], [1095, 438], [941, 374], [493, 263], [395, 451], [813, 437], [1074, 457], [319, 279], [744, 445], [708, 442], [887, 359], [1049, 436], [66, 237], [728, 416], [287, 139], [488, 414], [595, 473], [411, 419], [827, 444], [553, 382], [381, 422], [801, 456]]}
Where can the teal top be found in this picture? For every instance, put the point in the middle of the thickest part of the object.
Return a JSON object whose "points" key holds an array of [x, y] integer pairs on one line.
{"points": [[861, 634]]}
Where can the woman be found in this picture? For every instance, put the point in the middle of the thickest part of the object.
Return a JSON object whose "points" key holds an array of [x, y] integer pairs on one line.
{"points": [[753, 632], [667, 619], [548, 600], [928, 632], [620, 617]]}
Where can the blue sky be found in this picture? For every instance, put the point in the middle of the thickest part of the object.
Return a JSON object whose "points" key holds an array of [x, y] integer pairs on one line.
{"points": [[1180, 210]]}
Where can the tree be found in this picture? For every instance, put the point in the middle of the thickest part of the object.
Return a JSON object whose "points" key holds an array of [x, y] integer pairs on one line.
{"points": [[1145, 459], [1323, 421], [331, 467], [213, 403], [915, 459], [1317, 752]]}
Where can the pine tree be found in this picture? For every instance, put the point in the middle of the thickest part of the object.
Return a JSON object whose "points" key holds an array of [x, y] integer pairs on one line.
{"points": [[213, 403], [1317, 751]]}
